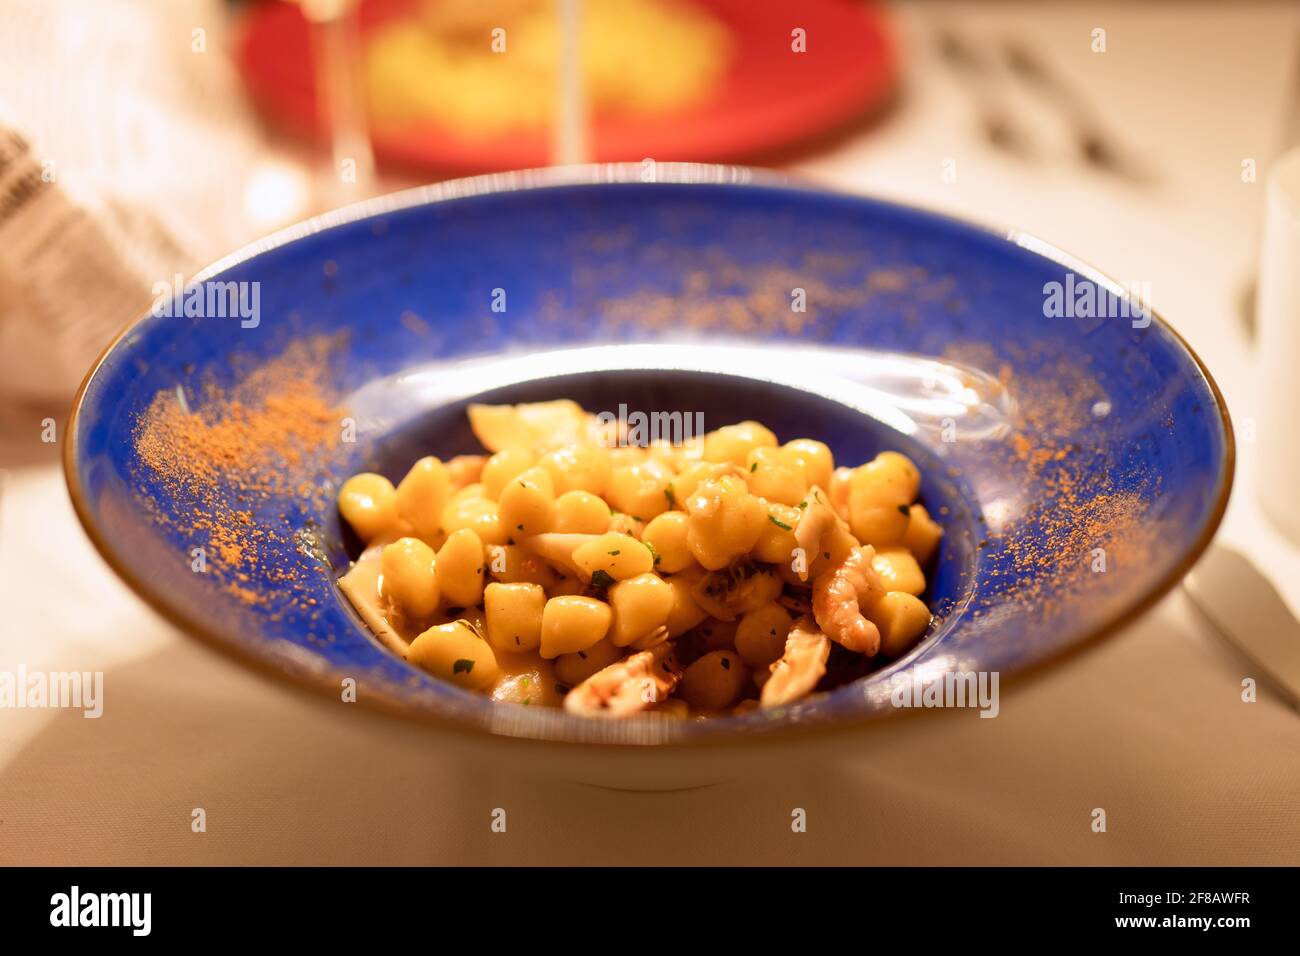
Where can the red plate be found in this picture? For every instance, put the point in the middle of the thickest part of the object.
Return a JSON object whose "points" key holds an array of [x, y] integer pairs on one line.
{"points": [[771, 97]]}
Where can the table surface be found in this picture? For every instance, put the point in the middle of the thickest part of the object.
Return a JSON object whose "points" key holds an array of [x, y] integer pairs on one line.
{"points": [[1149, 726]]}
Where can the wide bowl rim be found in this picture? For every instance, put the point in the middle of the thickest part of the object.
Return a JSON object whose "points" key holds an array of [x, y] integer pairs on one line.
{"points": [[680, 174]]}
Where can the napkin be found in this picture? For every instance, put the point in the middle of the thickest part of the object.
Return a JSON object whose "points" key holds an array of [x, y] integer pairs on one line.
{"points": [[123, 135]]}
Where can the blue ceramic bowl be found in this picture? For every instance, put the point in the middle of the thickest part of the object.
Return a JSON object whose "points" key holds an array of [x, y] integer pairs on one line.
{"points": [[1080, 459]]}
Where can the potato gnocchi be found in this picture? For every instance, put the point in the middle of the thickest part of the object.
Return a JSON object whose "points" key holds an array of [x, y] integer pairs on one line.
{"points": [[568, 568]]}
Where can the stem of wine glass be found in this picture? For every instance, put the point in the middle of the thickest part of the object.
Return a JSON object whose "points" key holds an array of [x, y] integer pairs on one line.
{"points": [[336, 57], [570, 136]]}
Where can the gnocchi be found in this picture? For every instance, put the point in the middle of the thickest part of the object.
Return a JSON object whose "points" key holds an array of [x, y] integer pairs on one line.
{"points": [[568, 567]]}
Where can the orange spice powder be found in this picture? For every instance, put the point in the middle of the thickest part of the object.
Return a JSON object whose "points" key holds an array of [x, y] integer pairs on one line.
{"points": [[272, 435], [1078, 517]]}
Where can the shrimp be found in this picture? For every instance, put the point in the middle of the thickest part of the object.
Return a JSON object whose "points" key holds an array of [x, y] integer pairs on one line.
{"points": [[817, 521], [839, 595], [801, 665], [627, 686]]}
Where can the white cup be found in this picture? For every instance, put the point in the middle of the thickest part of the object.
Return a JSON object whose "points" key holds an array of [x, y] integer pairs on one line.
{"points": [[1277, 323]]}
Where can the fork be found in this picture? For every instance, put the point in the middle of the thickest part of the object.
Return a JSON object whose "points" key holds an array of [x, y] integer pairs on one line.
{"points": [[1095, 146], [996, 123]]}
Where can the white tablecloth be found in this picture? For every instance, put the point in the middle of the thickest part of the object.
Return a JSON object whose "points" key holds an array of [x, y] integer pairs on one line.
{"points": [[1149, 726]]}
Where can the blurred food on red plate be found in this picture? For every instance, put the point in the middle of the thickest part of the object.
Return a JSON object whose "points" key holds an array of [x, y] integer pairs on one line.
{"points": [[470, 85]]}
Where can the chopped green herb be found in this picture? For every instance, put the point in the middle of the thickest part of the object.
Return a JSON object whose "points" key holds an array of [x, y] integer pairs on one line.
{"points": [[462, 666], [616, 552], [527, 701], [671, 496], [726, 663], [601, 578], [653, 553], [779, 523], [803, 504], [753, 468]]}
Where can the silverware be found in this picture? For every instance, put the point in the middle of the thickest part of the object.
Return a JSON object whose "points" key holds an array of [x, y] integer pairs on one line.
{"points": [[996, 123], [1249, 614], [1094, 144]]}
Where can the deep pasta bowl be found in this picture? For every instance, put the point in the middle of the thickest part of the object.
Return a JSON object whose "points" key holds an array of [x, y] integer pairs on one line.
{"points": [[1076, 451]]}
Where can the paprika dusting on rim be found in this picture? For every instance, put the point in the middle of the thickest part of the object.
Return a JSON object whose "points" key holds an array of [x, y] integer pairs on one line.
{"points": [[1079, 508], [227, 453]]}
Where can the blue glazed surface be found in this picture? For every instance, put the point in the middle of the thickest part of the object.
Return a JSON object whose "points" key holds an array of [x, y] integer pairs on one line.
{"points": [[1017, 580]]}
